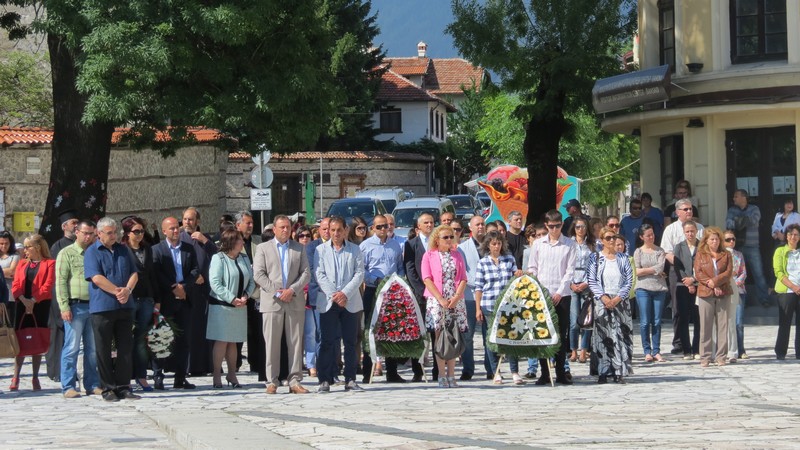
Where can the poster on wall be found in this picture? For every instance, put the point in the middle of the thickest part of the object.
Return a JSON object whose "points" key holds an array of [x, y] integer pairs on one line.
{"points": [[778, 185], [749, 184], [789, 185]]}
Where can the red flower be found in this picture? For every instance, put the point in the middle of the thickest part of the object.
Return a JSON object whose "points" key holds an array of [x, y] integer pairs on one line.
{"points": [[385, 319]]}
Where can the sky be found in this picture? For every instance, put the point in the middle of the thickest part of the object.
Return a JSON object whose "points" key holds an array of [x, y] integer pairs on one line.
{"points": [[403, 23]]}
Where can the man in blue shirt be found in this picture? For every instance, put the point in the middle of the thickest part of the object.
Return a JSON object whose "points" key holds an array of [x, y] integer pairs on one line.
{"points": [[110, 268], [382, 258], [629, 225]]}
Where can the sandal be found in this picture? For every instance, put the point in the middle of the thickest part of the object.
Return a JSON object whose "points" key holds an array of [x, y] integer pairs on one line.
{"points": [[582, 358], [573, 356], [659, 358], [648, 358], [498, 379], [517, 379]]}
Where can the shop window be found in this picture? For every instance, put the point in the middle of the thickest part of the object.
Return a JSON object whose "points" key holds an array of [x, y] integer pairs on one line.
{"points": [[758, 30]]}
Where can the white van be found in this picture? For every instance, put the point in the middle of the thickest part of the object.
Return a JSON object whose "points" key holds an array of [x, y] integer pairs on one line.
{"points": [[390, 197]]}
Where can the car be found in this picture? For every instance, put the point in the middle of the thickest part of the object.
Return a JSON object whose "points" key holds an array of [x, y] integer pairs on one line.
{"points": [[347, 208], [486, 202], [407, 212], [389, 197], [466, 206]]}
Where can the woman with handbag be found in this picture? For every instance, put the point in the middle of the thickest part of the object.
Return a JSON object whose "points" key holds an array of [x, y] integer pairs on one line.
{"points": [[610, 278], [445, 277], [33, 291], [713, 268], [651, 291], [581, 233], [493, 273]]}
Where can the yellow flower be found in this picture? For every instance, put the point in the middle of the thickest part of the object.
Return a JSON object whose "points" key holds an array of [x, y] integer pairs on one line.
{"points": [[527, 315], [535, 296], [542, 332], [530, 304], [522, 293], [540, 305], [512, 334], [503, 320], [541, 317], [501, 333]]}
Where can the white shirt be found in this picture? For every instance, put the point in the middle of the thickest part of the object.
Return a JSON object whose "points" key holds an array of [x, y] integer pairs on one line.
{"points": [[674, 235], [553, 264]]}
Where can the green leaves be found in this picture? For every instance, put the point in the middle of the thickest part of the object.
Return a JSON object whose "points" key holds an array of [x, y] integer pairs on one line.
{"points": [[26, 97]]}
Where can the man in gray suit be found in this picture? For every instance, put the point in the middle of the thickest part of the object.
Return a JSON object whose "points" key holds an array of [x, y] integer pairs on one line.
{"points": [[339, 273], [281, 270]]}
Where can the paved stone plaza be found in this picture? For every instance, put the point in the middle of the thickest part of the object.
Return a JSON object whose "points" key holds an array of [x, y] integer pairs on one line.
{"points": [[676, 404]]}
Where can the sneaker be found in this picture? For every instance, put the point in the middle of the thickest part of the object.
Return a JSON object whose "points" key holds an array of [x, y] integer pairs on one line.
{"points": [[352, 386], [451, 382], [443, 382], [697, 357], [744, 356], [71, 393], [687, 357], [324, 388]]}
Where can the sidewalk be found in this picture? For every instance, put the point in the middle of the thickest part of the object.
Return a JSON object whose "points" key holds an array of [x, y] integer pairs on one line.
{"points": [[676, 404]]}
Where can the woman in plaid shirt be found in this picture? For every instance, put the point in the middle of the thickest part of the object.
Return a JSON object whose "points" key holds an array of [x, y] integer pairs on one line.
{"points": [[494, 272]]}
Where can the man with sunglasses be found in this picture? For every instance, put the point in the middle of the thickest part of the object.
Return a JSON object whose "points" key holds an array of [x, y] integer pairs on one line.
{"points": [[552, 262], [382, 258], [673, 235], [629, 226]]}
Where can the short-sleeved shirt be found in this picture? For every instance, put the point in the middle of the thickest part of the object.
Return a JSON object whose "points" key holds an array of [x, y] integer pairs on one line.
{"points": [[117, 265]]}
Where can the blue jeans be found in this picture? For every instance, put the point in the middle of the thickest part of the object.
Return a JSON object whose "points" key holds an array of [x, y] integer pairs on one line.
{"points": [[338, 323], [468, 357], [752, 258], [490, 356], [310, 337], [142, 320], [651, 307], [77, 330], [740, 323], [574, 329]]}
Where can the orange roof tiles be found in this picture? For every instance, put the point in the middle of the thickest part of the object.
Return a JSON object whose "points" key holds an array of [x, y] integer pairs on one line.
{"points": [[42, 136], [452, 75], [408, 66], [367, 155], [396, 88]]}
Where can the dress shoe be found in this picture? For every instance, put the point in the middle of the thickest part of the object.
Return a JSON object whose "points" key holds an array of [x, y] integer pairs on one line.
{"points": [[568, 376], [528, 375], [564, 380], [621, 380], [233, 383], [35, 383], [417, 378], [126, 394], [297, 388], [110, 396], [542, 381], [602, 380], [780, 357], [395, 378], [676, 351], [144, 386], [352, 386], [183, 384], [272, 389], [95, 391], [324, 388], [465, 377], [158, 380]]}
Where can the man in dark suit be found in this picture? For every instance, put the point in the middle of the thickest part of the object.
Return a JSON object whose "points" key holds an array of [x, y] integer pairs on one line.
{"points": [[176, 269], [412, 259], [204, 248]]}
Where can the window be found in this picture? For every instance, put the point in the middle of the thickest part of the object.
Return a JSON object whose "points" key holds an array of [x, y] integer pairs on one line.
{"points": [[436, 119], [391, 120], [758, 30], [666, 33], [431, 126]]}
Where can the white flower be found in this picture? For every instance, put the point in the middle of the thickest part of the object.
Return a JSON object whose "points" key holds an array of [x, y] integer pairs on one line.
{"points": [[519, 324]]}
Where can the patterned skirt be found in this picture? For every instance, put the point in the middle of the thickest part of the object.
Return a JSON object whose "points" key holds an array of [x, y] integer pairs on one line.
{"points": [[434, 315]]}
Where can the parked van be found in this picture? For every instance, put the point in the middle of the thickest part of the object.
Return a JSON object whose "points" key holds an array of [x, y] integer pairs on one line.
{"points": [[389, 197], [407, 212]]}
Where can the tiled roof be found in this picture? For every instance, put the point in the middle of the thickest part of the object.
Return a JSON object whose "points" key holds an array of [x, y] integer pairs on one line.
{"points": [[408, 66], [449, 76], [396, 88], [39, 136], [367, 155]]}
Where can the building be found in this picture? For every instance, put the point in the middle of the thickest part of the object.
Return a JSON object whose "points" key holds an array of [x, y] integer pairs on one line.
{"points": [[417, 93], [728, 111]]}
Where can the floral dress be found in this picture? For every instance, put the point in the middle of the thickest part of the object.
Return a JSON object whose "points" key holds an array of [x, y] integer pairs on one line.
{"points": [[434, 317]]}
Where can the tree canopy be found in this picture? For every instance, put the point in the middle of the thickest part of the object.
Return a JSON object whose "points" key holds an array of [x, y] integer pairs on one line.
{"points": [[26, 95], [549, 52]]}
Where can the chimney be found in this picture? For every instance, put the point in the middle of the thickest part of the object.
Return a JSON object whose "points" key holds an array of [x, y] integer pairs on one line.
{"points": [[422, 49]]}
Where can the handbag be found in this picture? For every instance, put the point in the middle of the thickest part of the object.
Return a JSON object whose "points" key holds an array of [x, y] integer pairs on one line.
{"points": [[449, 343], [33, 340], [586, 314], [9, 346]]}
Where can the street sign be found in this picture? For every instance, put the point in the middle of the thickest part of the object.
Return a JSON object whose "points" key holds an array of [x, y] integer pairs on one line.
{"points": [[265, 156], [261, 180], [260, 199]]}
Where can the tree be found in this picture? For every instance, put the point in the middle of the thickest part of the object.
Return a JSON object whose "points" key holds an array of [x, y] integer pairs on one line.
{"points": [[260, 72], [463, 143], [26, 95], [550, 51]]}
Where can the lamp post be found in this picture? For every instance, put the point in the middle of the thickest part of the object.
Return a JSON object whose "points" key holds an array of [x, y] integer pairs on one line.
{"points": [[453, 172]]}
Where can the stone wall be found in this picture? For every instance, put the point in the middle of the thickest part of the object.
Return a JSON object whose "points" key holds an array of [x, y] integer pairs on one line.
{"points": [[140, 182]]}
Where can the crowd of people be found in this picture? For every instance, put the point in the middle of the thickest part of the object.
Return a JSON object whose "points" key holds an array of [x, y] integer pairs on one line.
{"points": [[301, 296]]}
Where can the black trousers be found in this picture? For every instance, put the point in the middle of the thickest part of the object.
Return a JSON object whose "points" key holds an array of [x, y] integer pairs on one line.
{"points": [[256, 349], [687, 312], [114, 326], [788, 308], [562, 310]]}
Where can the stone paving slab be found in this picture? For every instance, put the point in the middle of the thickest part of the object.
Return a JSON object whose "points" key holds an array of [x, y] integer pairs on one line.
{"points": [[676, 404]]}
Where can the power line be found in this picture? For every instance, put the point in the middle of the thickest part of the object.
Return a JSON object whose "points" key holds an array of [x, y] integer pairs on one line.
{"points": [[612, 172]]}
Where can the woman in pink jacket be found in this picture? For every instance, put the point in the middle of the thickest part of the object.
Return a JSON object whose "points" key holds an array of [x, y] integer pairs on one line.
{"points": [[445, 277]]}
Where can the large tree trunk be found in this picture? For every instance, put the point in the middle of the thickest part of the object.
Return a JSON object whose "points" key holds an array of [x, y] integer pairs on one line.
{"points": [[542, 136], [80, 152]]}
